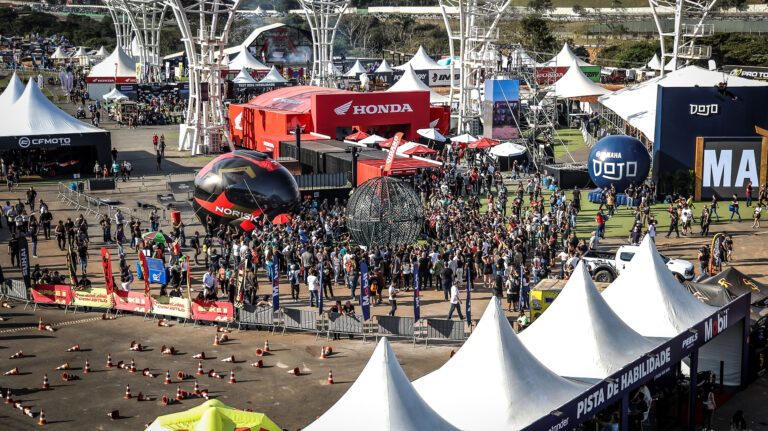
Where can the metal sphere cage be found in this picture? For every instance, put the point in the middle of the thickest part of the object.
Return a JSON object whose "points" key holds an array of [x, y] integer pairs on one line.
{"points": [[384, 211]]}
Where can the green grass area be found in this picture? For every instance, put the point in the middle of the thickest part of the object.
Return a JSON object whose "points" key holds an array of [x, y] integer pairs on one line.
{"points": [[172, 136], [571, 138]]}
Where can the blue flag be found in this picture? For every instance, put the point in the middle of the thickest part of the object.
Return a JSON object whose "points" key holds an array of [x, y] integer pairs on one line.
{"points": [[469, 302], [275, 285], [320, 291], [416, 302], [365, 293]]}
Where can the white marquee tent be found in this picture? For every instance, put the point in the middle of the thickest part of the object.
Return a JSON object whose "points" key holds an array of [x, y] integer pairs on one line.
{"points": [[637, 104], [59, 54], [117, 68], [12, 92], [273, 77], [80, 53], [114, 95], [101, 53], [506, 387], [564, 58], [581, 323], [355, 70], [576, 84], [410, 82], [507, 149], [384, 67], [421, 61], [397, 405], [244, 77], [244, 59]]}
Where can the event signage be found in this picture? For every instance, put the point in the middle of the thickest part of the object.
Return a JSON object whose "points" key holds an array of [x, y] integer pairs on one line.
{"points": [[171, 306], [131, 301], [416, 299], [275, 285], [143, 261], [501, 108], [52, 294], [749, 72], [365, 293], [25, 142], [591, 72], [392, 151], [618, 160], [549, 75], [320, 290], [93, 297], [155, 268], [217, 311], [442, 77], [651, 365], [724, 166], [24, 260], [71, 256]]}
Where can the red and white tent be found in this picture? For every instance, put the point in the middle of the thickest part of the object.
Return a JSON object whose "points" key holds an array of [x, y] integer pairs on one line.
{"points": [[117, 68]]}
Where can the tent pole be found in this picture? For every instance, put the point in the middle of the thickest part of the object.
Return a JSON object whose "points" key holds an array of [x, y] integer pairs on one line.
{"points": [[694, 369], [625, 411]]}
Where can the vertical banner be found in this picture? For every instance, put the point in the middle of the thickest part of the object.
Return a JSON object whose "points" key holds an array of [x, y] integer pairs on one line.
{"points": [[71, 267], [145, 270], [392, 151], [24, 260], [469, 300], [320, 291], [275, 284], [106, 265], [365, 293], [416, 301], [189, 284], [240, 283]]}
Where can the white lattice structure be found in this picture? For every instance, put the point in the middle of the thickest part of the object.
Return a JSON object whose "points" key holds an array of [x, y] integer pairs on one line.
{"points": [[146, 17], [684, 35], [323, 17], [476, 34], [123, 30], [206, 121]]}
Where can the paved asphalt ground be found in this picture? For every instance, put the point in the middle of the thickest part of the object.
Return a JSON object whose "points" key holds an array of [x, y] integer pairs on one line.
{"points": [[292, 402]]}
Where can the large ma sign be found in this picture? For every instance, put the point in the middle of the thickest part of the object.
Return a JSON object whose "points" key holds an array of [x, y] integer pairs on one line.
{"points": [[724, 166], [619, 160]]}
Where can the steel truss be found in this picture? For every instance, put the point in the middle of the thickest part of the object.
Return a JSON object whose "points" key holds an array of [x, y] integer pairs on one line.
{"points": [[323, 17], [683, 35]]}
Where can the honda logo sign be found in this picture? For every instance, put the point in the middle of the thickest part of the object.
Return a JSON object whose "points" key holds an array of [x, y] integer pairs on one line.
{"points": [[390, 108]]}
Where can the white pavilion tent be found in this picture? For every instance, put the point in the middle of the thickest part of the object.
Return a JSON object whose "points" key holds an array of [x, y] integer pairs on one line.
{"points": [[581, 323], [12, 92], [576, 84], [101, 53], [397, 405], [421, 61], [273, 77], [117, 68], [80, 53], [114, 95], [244, 77], [564, 58], [506, 386], [506, 149], [410, 82], [244, 59], [355, 70], [59, 54], [384, 67]]}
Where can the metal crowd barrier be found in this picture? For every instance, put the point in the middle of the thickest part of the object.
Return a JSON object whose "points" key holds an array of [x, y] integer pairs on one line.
{"points": [[396, 326], [345, 324], [93, 207], [259, 316], [440, 329], [301, 320], [17, 290]]}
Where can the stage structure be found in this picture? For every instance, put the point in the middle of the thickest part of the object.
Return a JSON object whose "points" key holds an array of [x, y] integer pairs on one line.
{"points": [[123, 30], [206, 119], [683, 35], [476, 34], [146, 17], [323, 17]]}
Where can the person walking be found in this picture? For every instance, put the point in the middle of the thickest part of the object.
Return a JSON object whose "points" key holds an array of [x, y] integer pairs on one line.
{"points": [[734, 207], [705, 221], [713, 208], [455, 303], [600, 222], [756, 216], [748, 192], [159, 161], [312, 286], [673, 222], [392, 300], [708, 410]]}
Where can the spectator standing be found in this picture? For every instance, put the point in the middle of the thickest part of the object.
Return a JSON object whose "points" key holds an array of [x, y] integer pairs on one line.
{"points": [[734, 207], [455, 303]]}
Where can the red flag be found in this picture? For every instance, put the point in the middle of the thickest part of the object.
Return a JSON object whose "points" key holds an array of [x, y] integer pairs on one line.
{"points": [[106, 264], [145, 270], [392, 151]]}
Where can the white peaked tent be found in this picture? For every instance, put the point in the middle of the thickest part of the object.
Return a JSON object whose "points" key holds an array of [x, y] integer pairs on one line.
{"points": [[576, 84], [102, 52], [80, 53], [114, 95], [421, 61], [244, 77], [244, 59], [493, 382], [654, 63], [273, 77], [398, 406], [564, 58], [126, 67], [59, 54], [580, 322], [384, 67], [12, 92], [372, 139], [521, 58], [410, 82], [356, 69], [333, 70]]}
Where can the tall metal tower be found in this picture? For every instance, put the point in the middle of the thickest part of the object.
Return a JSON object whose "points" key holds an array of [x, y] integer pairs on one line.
{"points": [[683, 35], [122, 24], [477, 32], [206, 119], [146, 18], [323, 17]]}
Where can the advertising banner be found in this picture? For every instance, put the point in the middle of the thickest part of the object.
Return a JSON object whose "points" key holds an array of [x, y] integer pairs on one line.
{"points": [[442, 77], [501, 109], [143, 267], [52, 294], [592, 72], [71, 258], [156, 269], [93, 297], [320, 290], [275, 285], [392, 151], [750, 72], [469, 299], [132, 301], [423, 75], [365, 292], [549, 75], [416, 299], [213, 310], [170, 306], [24, 261], [724, 166]]}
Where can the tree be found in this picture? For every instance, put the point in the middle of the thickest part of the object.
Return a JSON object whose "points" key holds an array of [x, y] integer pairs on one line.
{"points": [[536, 35], [540, 5], [637, 54], [727, 4], [578, 10]]}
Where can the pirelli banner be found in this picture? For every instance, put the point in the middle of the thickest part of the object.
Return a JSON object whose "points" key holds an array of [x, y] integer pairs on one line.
{"points": [[52, 294], [171, 306], [93, 297], [724, 166], [213, 310]]}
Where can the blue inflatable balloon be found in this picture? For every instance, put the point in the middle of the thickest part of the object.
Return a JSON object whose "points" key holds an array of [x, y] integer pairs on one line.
{"points": [[619, 160]]}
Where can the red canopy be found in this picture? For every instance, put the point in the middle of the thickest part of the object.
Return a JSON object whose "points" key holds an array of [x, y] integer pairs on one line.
{"points": [[387, 143], [282, 219], [357, 136], [419, 150], [483, 143]]}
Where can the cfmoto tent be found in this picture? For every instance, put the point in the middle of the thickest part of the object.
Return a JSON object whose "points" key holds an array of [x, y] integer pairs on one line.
{"points": [[213, 415], [410, 82], [493, 382], [420, 61], [397, 405], [12, 92]]}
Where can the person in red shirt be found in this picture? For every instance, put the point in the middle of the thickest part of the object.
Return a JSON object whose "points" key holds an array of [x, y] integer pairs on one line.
{"points": [[175, 251], [600, 221], [749, 194]]}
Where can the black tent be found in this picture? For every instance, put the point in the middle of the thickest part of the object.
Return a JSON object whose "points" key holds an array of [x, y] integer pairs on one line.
{"points": [[738, 284]]}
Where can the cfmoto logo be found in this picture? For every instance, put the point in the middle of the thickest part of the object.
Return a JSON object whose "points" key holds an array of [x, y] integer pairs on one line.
{"points": [[24, 142]]}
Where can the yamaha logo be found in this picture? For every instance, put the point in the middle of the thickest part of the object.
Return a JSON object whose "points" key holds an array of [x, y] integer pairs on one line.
{"points": [[24, 142], [390, 108]]}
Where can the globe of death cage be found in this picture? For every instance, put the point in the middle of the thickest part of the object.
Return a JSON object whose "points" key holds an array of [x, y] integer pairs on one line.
{"points": [[242, 187], [619, 160]]}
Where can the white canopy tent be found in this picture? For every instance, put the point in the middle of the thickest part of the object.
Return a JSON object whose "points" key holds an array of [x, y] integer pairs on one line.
{"points": [[421, 61], [101, 53], [244, 59], [410, 82], [244, 77], [59, 54], [398, 406], [372, 139], [114, 95], [384, 67], [80, 53], [507, 149], [273, 77], [564, 58], [581, 323], [637, 104], [355, 70], [576, 84], [11, 94], [506, 386], [117, 64], [466, 138], [432, 134]]}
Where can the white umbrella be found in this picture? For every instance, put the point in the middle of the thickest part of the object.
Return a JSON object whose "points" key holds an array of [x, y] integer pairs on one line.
{"points": [[431, 134], [371, 140], [464, 139]]}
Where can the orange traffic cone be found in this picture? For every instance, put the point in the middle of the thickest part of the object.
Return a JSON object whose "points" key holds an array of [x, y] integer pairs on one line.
{"points": [[220, 328], [224, 338], [214, 374], [28, 412], [64, 366], [12, 372], [114, 414], [216, 340], [330, 377], [258, 364], [295, 371], [204, 393], [259, 352], [136, 348], [128, 392], [132, 367], [200, 355], [87, 368], [109, 360], [266, 345], [17, 355], [322, 353], [5, 304], [147, 373], [197, 389], [165, 400], [328, 350], [168, 350], [162, 322], [42, 420], [75, 348], [200, 368], [65, 376], [45, 381], [143, 397], [178, 393], [40, 326], [49, 328], [229, 359], [181, 376], [167, 377], [232, 380], [452, 353], [121, 365], [8, 399]]}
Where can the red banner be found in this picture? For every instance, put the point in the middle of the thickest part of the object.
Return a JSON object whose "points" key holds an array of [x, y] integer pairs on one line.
{"points": [[213, 310], [132, 301], [392, 151], [106, 265], [549, 75], [145, 271], [52, 294]]}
